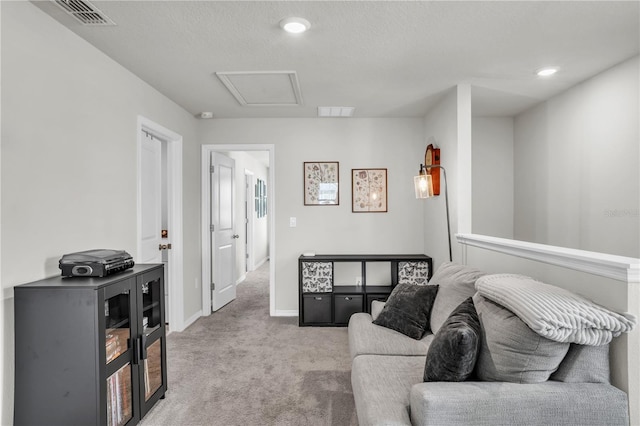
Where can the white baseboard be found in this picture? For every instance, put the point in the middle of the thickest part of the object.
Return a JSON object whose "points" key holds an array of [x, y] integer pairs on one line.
{"points": [[285, 313], [191, 320], [262, 262], [241, 279]]}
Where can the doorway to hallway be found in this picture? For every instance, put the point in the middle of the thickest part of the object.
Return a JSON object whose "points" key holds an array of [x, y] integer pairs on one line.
{"points": [[254, 220]]}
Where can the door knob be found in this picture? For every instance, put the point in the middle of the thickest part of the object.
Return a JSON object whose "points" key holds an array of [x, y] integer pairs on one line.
{"points": [[235, 236], [164, 247]]}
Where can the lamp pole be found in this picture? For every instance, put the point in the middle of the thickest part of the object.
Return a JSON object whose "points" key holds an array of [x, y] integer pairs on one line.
{"points": [[446, 202]]}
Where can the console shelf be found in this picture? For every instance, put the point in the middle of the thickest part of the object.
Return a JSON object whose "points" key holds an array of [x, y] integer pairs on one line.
{"points": [[324, 301]]}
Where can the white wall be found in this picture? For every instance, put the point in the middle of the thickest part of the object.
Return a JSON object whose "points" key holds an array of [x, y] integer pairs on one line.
{"points": [[354, 143], [492, 169], [69, 117], [448, 126], [3, 414], [577, 173], [575, 158]]}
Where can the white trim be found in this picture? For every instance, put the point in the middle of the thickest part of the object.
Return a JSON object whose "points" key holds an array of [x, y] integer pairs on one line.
{"points": [[271, 215], [174, 187], [241, 279], [262, 262], [193, 318], [205, 200], [626, 269], [285, 313]]}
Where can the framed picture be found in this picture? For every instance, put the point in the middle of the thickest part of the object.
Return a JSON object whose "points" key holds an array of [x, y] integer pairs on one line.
{"points": [[369, 190], [321, 183], [261, 198]]}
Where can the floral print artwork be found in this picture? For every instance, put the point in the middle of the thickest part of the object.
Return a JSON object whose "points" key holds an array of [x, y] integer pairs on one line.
{"points": [[321, 183], [369, 190]]}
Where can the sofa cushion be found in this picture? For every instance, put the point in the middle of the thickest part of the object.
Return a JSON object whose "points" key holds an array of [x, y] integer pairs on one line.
{"points": [[584, 364], [511, 351], [454, 350], [367, 338], [381, 388], [512, 404], [456, 283], [408, 309]]}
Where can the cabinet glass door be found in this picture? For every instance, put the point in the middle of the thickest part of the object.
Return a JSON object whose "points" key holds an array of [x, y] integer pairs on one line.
{"points": [[117, 312], [151, 309], [118, 325], [153, 369], [153, 363], [119, 397]]}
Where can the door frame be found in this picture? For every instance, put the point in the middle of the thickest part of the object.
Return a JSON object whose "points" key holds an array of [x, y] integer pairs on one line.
{"points": [[174, 213], [204, 227]]}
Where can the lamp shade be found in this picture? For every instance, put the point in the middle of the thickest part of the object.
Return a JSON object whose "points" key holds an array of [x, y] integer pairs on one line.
{"points": [[423, 185]]}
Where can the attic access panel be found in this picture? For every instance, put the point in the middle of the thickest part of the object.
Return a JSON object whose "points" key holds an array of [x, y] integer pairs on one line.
{"points": [[263, 88]]}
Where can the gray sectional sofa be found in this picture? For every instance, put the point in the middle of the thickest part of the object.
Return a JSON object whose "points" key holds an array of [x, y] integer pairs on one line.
{"points": [[566, 385]]}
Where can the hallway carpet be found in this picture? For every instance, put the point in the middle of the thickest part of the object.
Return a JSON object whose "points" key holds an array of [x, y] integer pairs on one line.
{"points": [[239, 366]]}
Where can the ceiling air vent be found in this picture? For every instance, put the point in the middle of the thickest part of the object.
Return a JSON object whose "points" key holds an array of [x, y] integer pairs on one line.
{"points": [[84, 12]]}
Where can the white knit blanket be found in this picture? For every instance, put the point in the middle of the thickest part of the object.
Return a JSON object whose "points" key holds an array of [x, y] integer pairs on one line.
{"points": [[553, 312]]}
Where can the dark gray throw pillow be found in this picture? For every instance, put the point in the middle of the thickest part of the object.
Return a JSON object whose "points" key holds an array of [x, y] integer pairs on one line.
{"points": [[454, 350], [408, 309]]}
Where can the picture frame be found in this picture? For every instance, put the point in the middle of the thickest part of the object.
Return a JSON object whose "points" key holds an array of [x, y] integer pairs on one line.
{"points": [[321, 183], [369, 190], [261, 198]]}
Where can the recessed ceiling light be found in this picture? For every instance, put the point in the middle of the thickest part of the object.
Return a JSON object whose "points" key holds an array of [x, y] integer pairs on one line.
{"points": [[546, 72], [295, 25]]}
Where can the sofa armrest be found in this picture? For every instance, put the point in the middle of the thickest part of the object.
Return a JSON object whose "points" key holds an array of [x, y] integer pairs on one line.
{"points": [[501, 403], [367, 338]]}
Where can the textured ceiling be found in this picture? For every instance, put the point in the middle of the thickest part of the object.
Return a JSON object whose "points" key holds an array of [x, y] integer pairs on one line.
{"points": [[387, 59]]}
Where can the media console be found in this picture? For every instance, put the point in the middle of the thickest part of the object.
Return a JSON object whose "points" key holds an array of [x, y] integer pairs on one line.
{"points": [[89, 350]]}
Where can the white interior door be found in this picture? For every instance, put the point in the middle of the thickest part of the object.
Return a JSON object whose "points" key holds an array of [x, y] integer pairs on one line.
{"points": [[223, 235], [153, 248], [248, 219], [151, 203]]}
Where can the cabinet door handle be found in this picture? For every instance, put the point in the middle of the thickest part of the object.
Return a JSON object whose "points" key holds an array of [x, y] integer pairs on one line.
{"points": [[143, 346], [347, 298], [317, 298], [136, 350]]}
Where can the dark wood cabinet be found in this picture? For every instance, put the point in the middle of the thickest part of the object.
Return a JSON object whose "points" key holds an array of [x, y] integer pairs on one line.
{"points": [[90, 351], [325, 301]]}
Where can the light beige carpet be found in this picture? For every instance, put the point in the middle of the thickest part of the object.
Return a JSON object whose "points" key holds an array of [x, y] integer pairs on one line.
{"points": [[240, 366]]}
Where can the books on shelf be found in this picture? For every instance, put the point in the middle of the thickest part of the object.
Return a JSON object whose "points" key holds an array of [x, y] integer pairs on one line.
{"points": [[116, 342], [119, 409]]}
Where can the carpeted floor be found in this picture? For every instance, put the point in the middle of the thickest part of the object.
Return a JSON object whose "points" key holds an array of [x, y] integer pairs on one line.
{"points": [[240, 366]]}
